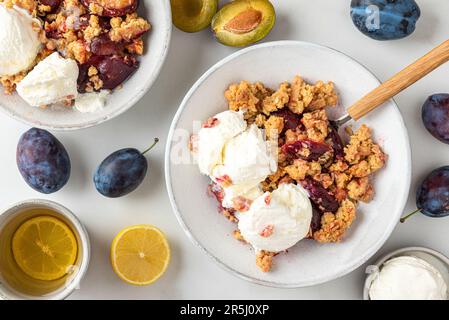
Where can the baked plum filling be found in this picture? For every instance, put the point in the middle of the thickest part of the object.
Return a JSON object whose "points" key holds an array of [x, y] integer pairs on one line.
{"points": [[104, 46], [337, 143], [315, 225], [291, 120], [305, 149], [323, 199], [112, 70]]}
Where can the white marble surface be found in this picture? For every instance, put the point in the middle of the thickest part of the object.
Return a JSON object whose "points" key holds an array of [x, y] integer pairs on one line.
{"points": [[191, 275]]}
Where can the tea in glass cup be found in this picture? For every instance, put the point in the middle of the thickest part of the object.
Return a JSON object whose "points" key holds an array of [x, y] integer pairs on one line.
{"points": [[44, 251]]}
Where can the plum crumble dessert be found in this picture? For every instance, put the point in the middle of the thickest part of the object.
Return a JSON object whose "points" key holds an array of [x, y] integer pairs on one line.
{"points": [[280, 171], [84, 46]]}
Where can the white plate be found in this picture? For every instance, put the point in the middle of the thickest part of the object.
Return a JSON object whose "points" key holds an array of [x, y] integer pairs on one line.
{"points": [[308, 263], [157, 40]]}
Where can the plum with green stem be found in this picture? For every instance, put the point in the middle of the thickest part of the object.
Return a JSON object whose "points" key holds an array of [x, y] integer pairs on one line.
{"points": [[122, 172], [432, 196]]}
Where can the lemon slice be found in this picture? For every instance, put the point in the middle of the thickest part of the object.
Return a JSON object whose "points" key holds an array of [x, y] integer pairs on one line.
{"points": [[140, 254], [44, 248]]}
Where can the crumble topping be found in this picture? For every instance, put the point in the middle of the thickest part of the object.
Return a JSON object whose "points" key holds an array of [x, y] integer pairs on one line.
{"points": [[238, 236], [310, 152], [334, 226], [277, 100], [264, 260], [130, 28]]}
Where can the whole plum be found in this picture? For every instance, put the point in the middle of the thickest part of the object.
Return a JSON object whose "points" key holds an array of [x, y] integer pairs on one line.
{"points": [[432, 196], [43, 161], [121, 172], [385, 19], [435, 116]]}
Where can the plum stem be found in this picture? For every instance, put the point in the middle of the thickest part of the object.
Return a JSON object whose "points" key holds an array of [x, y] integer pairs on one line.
{"points": [[156, 140], [409, 215]]}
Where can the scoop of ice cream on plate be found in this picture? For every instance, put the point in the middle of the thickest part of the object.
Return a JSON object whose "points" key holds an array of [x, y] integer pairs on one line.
{"points": [[238, 158], [276, 221], [19, 38]]}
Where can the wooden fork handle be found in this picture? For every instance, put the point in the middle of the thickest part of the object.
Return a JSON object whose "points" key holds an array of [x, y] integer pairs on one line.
{"points": [[401, 81]]}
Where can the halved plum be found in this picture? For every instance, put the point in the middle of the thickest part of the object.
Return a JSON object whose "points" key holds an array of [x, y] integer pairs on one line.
{"points": [[111, 8], [193, 15], [242, 22]]}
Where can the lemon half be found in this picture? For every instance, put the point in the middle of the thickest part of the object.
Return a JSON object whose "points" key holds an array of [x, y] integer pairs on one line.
{"points": [[140, 254]]}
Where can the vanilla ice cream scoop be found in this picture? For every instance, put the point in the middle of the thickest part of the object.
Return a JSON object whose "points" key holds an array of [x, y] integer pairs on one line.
{"points": [[213, 137], [408, 278], [19, 40], [247, 158], [52, 80], [276, 221]]}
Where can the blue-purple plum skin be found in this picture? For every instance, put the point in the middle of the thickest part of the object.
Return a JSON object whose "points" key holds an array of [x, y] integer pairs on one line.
{"points": [[120, 173], [435, 116], [43, 161], [432, 196], [385, 19]]}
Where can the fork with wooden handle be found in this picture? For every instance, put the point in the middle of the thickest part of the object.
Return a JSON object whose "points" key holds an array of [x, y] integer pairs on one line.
{"points": [[396, 84]]}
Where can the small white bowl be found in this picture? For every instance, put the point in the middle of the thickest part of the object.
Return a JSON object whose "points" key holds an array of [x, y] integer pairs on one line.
{"points": [[434, 258], [12, 217], [157, 41], [309, 262]]}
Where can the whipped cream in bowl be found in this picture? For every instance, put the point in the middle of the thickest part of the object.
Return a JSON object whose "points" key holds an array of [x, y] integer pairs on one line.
{"points": [[413, 273]]}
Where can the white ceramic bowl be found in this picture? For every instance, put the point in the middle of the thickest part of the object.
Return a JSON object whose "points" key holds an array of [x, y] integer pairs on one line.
{"points": [[157, 40], [308, 263], [17, 214], [434, 258]]}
